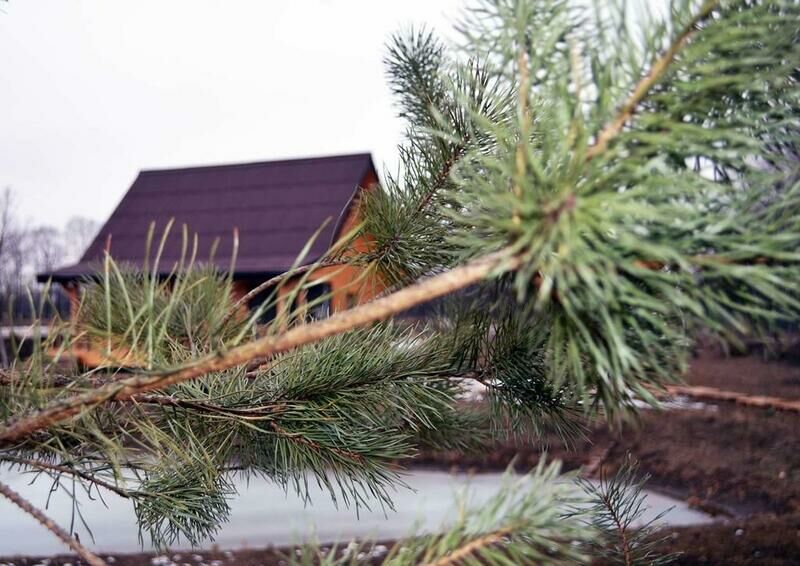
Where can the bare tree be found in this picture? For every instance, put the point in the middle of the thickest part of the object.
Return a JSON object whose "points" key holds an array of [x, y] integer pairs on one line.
{"points": [[78, 234], [45, 250], [6, 205], [12, 244]]}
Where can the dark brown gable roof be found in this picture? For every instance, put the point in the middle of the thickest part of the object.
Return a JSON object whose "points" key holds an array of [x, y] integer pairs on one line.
{"points": [[275, 205]]}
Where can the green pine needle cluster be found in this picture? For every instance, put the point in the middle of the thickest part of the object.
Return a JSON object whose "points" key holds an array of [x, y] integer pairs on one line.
{"points": [[617, 506]]}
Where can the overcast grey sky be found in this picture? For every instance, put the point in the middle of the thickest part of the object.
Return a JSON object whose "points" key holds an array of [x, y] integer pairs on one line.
{"points": [[95, 90]]}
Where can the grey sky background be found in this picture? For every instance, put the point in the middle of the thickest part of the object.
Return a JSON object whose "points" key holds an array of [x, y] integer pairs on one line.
{"points": [[94, 90]]}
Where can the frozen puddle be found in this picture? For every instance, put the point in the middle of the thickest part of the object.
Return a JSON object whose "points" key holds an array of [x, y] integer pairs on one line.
{"points": [[263, 514]]}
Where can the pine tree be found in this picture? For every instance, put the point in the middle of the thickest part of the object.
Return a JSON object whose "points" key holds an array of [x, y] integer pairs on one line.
{"points": [[579, 193]]}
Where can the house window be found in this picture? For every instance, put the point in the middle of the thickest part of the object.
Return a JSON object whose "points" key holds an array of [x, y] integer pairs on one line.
{"points": [[269, 314], [314, 302], [318, 299]]}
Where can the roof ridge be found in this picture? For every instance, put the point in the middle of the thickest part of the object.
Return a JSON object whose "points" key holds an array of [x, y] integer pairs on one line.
{"points": [[298, 160]]}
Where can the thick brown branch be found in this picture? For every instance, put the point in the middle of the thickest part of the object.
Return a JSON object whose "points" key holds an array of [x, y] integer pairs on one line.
{"points": [[657, 70], [48, 523], [377, 310], [713, 394]]}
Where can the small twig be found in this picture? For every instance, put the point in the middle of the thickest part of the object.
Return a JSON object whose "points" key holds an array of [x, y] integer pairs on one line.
{"points": [[622, 529], [66, 470], [442, 176], [48, 523], [260, 412], [300, 439], [11, 378]]}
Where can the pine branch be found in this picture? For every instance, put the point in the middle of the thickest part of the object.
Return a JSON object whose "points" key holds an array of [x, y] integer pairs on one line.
{"points": [[613, 252], [529, 520], [618, 503], [48, 523], [610, 264], [380, 309]]}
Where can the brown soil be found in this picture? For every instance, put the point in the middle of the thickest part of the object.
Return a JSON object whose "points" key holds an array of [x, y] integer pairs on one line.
{"points": [[740, 463], [763, 540]]}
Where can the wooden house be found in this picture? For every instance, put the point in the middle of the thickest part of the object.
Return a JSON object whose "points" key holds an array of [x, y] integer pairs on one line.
{"points": [[274, 206]]}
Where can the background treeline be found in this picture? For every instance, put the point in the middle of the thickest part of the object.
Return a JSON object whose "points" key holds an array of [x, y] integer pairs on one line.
{"points": [[27, 249]]}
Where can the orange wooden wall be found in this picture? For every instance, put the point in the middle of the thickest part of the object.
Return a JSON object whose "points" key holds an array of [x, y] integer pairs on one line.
{"points": [[349, 286]]}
